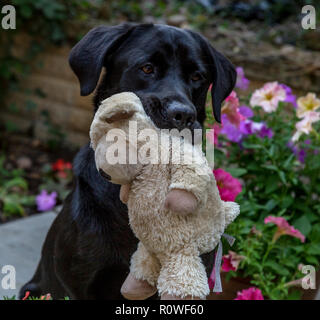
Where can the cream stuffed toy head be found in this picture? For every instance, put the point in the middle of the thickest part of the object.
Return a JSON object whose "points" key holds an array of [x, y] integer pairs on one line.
{"points": [[114, 139]]}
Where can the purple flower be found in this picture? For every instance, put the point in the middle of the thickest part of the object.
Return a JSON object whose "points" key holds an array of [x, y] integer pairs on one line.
{"points": [[242, 82], [265, 132], [302, 155], [308, 141], [299, 153], [290, 97], [246, 127], [46, 201], [246, 111], [230, 130]]}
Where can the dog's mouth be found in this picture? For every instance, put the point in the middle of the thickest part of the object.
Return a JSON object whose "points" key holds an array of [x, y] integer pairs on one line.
{"points": [[157, 110]]}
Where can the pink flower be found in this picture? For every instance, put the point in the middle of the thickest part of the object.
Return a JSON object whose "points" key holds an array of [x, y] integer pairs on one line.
{"points": [[26, 295], [46, 297], [250, 294], [46, 201], [268, 96], [229, 187], [242, 82], [284, 228], [231, 109], [230, 261]]}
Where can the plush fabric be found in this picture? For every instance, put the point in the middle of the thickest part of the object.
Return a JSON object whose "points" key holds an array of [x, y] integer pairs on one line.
{"points": [[170, 241]]}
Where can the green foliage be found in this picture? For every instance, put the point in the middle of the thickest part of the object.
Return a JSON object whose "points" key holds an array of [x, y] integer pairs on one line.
{"points": [[13, 191], [274, 183]]}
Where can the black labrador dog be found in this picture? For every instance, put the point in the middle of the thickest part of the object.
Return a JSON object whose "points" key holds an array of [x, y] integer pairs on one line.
{"points": [[87, 251]]}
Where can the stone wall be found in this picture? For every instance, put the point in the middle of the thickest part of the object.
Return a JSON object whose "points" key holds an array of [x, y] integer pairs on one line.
{"points": [[53, 87]]}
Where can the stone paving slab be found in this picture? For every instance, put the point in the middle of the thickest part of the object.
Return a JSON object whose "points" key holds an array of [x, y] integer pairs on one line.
{"points": [[20, 246]]}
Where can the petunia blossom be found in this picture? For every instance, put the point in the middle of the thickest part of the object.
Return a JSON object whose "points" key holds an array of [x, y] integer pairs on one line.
{"points": [[268, 97], [46, 201], [251, 293], [231, 261], [229, 187], [231, 109], [299, 153], [265, 132], [290, 97], [242, 82], [246, 111], [305, 125], [232, 132], [306, 104], [284, 228]]}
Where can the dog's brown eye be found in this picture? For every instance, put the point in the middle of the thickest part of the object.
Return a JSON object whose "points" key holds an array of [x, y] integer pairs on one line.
{"points": [[195, 77], [147, 69]]}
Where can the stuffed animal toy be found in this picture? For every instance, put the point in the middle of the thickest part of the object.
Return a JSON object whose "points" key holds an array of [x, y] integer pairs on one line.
{"points": [[174, 206]]}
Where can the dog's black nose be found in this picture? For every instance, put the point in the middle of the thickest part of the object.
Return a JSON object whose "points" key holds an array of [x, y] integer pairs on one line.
{"points": [[181, 116]]}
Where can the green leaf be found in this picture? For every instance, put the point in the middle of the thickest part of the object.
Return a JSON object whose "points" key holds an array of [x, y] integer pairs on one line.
{"points": [[282, 177], [312, 260], [271, 204], [279, 269], [294, 295], [270, 167], [16, 182], [237, 172], [11, 207], [314, 249], [303, 225], [252, 146]]}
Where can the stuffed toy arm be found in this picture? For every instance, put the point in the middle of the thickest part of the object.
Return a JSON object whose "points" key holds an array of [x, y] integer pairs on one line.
{"points": [[188, 189]]}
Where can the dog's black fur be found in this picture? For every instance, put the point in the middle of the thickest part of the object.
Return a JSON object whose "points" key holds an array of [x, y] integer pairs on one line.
{"points": [[87, 250]]}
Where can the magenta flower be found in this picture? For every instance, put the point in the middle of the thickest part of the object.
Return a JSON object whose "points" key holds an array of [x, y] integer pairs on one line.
{"points": [[46, 201], [242, 82], [284, 228], [230, 261], [229, 187], [250, 294]]}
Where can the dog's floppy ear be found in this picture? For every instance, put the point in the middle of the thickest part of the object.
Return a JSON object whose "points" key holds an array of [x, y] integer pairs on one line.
{"points": [[88, 55], [222, 71], [224, 78]]}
